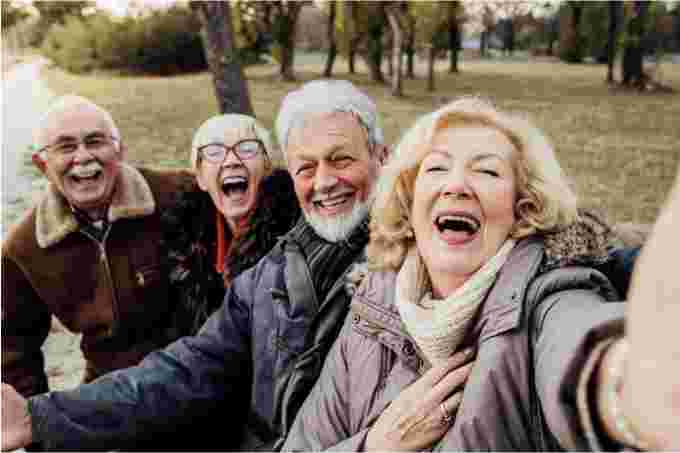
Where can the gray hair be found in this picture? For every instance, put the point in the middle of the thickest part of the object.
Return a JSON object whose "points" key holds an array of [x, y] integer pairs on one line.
{"points": [[213, 130], [63, 104], [326, 96]]}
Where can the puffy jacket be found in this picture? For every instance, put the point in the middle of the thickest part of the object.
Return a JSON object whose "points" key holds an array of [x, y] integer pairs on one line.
{"points": [[534, 334], [260, 353]]}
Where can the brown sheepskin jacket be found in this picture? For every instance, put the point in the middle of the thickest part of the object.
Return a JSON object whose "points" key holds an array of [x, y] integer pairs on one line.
{"points": [[113, 291], [538, 335]]}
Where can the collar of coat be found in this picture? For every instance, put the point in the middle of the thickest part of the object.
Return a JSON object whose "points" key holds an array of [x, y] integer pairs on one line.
{"points": [[55, 220], [583, 244]]}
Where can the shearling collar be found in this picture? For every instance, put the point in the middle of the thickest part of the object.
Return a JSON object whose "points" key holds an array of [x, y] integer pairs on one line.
{"points": [[55, 220]]}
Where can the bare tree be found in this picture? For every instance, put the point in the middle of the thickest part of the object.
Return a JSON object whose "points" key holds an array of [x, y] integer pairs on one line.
{"points": [[231, 87], [611, 42], [332, 44], [393, 11]]}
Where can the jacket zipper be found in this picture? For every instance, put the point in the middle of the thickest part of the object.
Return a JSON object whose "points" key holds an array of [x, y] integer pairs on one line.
{"points": [[103, 258]]}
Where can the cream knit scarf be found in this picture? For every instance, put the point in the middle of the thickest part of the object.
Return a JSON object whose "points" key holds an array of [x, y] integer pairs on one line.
{"points": [[438, 326]]}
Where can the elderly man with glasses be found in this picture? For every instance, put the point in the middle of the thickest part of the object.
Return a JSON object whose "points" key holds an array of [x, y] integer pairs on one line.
{"points": [[88, 252]]}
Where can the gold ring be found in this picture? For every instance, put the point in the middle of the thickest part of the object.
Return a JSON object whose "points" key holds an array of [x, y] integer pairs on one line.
{"points": [[446, 417]]}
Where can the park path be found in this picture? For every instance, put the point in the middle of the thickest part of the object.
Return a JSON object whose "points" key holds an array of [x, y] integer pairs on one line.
{"points": [[24, 97]]}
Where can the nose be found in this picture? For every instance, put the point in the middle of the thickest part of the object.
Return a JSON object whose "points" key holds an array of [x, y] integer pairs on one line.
{"points": [[324, 179], [231, 160], [81, 154], [456, 185]]}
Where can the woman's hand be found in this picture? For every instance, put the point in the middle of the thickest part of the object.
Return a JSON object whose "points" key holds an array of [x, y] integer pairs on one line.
{"points": [[651, 385], [423, 412], [16, 423]]}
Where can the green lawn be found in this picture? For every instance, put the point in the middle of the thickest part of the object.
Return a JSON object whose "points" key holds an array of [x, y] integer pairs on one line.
{"points": [[620, 148]]}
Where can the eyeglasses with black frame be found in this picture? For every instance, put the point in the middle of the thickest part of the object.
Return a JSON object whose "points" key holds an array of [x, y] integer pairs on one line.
{"points": [[93, 143], [244, 150]]}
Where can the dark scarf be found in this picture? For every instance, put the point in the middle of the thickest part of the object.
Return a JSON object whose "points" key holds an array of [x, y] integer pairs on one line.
{"points": [[327, 261]]}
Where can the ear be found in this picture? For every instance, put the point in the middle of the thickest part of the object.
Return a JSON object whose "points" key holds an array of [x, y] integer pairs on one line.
{"points": [[200, 180], [383, 153], [39, 163], [122, 151]]}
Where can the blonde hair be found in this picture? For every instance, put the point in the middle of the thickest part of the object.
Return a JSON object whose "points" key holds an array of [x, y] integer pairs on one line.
{"points": [[545, 200], [214, 129]]}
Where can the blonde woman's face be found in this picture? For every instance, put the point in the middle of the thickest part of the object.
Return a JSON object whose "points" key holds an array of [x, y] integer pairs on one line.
{"points": [[463, 203]]}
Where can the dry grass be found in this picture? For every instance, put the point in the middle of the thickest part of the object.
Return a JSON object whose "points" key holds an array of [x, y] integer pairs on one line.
{"points": [[620, 148]]}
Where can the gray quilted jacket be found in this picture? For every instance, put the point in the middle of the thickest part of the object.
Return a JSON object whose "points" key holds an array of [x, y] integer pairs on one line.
{"points": [[534, 333]]}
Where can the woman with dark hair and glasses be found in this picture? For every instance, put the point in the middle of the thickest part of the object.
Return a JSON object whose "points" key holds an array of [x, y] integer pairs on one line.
{"points": [[242, 207]]}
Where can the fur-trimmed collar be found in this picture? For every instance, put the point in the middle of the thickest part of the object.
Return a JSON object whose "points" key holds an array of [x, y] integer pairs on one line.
{"points": [[55, 220]]}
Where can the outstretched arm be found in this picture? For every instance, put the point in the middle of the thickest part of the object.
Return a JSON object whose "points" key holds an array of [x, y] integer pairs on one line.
{"points": [[650, 388], [123, 407]]}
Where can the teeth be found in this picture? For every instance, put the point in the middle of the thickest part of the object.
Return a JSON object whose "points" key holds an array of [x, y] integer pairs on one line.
{"points": [[85, 171], [332, 201], [234, 180], [458, 222]]}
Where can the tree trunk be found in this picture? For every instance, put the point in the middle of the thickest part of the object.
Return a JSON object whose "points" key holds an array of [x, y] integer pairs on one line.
{"points": [[410, 53], [632, 53], [483, 38], [454, 45], [374, 46], [397, 41], [221, 54], [350, 59], [430, 67], [289, 16], [332, 45], [611, 42]]}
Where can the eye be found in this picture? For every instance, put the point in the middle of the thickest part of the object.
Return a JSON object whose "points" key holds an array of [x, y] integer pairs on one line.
{"points": [[342, 161], [490, 172], [95, 141], [213, 151], [65, 147], [435, 169], [305, 170]]}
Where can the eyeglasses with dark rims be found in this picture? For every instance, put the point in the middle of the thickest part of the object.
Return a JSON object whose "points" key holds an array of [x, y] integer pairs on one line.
{"points": [[244, 150]]}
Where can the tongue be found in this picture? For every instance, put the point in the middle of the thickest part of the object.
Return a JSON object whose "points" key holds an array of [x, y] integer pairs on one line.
{"points": [[456, 236]]}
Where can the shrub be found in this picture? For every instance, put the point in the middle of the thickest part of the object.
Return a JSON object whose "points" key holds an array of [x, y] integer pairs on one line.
{"points": [[162, 42]]}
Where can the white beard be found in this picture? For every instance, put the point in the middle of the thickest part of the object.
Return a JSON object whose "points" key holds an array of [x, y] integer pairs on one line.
{"points": [[339, 227]]}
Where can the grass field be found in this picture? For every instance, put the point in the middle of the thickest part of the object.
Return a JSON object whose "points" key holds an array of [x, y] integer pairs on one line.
{"points": [[621, 148]]}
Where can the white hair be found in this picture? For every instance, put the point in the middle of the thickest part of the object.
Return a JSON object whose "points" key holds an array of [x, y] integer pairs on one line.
{"points": [[213, 131], [325, 96], [63, 104]]}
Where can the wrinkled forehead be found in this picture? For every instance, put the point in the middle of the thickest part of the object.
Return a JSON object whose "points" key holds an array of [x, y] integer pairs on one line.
{"points": [[74, 122], [327, 127], [227, 134]]}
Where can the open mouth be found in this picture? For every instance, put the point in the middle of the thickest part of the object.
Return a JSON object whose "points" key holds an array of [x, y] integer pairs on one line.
{"points": [[234, 185], [333, 201], [462, 226], [85, 174]]}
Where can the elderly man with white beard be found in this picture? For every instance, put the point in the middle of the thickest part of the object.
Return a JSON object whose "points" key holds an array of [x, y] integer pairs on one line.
{"points": [[262, 351], [88, 252]]}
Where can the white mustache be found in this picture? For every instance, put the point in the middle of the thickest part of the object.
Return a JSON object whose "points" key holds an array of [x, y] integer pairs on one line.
{"points": [[87, 169]]}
